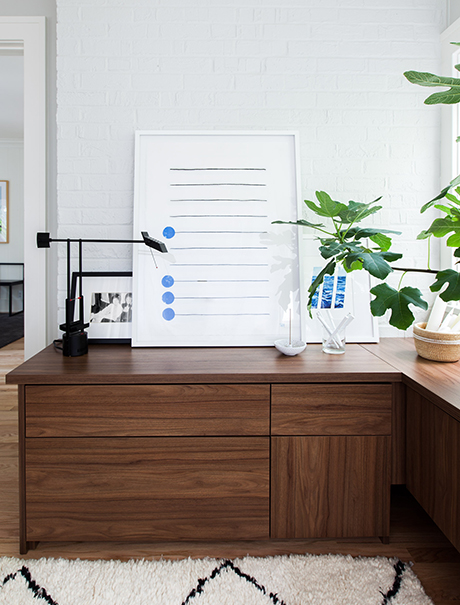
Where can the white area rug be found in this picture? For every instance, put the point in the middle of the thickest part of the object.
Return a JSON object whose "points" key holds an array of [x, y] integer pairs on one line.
{"points": [[284, 580]]}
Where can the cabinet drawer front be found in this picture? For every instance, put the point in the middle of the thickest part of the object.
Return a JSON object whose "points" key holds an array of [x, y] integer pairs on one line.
{"points": [[147, 488], [147, 410], [331, 409]]}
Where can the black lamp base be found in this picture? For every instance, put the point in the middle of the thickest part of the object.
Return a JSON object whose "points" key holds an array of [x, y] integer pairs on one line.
{"points": [[75, 344]]}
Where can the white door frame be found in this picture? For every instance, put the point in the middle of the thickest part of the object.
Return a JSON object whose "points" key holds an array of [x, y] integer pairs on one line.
{"points": [[31, 30]]}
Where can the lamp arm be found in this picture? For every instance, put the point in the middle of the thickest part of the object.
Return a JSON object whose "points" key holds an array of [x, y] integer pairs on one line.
{"points": [[44, 241]]}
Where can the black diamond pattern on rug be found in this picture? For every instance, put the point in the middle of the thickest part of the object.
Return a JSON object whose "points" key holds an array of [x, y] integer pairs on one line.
{"points": [[34, 593], [37, 591], [202, 582]]}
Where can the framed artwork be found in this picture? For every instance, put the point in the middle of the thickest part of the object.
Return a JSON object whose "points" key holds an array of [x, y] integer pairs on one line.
{"points": [[230, 277], [340, 294], [4, 212], [108, 305]]}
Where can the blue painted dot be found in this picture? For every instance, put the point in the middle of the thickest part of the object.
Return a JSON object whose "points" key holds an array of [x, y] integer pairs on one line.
{"points": [[168, 298], [168, 314], [167, 281], [168, 232]]}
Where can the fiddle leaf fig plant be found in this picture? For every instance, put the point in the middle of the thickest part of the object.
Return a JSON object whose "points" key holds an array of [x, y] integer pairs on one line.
{"points": [[344, 242], [449, 223]]}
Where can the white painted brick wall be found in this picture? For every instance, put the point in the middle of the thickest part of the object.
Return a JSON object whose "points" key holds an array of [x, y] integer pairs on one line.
{"points": [[331, 69]]}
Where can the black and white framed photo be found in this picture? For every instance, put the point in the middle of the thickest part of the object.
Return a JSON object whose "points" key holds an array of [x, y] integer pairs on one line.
{"points": [[108, 305]]}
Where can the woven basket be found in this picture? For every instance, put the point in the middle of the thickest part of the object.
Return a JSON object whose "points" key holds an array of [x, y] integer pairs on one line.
{"points": [[437, 346]]}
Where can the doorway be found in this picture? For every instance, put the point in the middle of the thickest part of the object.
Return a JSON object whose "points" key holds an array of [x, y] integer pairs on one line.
{"points": [[30, 31], [11, 192]]}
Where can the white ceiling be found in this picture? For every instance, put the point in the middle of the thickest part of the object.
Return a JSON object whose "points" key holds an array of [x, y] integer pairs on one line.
{"points": [[11, 97]]}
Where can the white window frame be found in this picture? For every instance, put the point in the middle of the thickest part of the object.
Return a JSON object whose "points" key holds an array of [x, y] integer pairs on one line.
{"points": [[450, 123]]}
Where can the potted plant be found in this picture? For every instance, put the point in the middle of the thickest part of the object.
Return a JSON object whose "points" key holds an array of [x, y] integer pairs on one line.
{"points": [[344, 242]]}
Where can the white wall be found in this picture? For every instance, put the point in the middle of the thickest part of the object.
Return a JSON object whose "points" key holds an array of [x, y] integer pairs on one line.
{"points": [[12, 170], [331, 69]]}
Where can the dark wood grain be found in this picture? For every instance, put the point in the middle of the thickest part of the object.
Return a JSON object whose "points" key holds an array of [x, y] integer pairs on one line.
{"points": [[330, 487], [433, 463], [398, 435], [331, 409], [147, 489], [438, 382], [121, 364], [22, 471], [147, 410]]}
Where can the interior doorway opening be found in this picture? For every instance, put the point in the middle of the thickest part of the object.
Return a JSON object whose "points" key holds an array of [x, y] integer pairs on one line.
{"points": [[29, 32]]}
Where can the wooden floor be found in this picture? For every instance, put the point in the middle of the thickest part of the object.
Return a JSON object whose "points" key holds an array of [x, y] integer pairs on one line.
{"points": [[414, 537]]}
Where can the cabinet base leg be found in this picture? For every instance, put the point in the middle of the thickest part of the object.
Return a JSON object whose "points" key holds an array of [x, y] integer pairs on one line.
{"points": [[384, 539], [25, 546]]}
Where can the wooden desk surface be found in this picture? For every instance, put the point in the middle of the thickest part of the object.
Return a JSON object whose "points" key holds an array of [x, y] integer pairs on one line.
{"points": [[438, 382], [391, 360], [121, 364]]}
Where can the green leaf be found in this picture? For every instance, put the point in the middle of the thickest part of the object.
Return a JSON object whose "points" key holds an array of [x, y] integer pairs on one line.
{"points": [[369, 232], [442, 226], [357, 265], [301, 223], [424, 235], [327, 270], [331, 250], [373, 262], [445, 209], [398, 301], [427, 79], [457, 253], [327, 206], [450, 277], [447, 97], [390, 256], [454, 240], [451, 198], [382, 241], [357, 211], [440, 196], [455, 181]]}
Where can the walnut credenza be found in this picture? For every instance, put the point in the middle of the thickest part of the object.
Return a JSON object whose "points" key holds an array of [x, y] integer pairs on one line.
{"points": [[204, 444]]}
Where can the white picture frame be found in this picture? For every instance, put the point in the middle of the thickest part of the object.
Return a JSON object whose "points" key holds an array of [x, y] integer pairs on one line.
{"points": [[230, 277], [100, 290], [341, 294], [4, 218]]}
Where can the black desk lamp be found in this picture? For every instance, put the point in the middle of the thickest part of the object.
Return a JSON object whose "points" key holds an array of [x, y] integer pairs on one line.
{"points": [[75, 339]]}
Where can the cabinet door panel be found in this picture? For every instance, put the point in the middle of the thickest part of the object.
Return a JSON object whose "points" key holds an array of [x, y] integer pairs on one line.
{"points": [[147, 410], [331, 409], [330, 487], [147, 489], [433, 463]]}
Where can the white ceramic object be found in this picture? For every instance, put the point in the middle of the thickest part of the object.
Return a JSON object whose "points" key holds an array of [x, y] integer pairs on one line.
{"points": [[294, 348]]}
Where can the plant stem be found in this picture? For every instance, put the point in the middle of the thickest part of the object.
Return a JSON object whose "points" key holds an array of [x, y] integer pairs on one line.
{"points": [[405, 269], [400, 281]]}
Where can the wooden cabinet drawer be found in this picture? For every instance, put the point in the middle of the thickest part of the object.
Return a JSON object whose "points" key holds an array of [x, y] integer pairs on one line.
{"points": [[331, 409], [147, 410], [206, 488]]}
